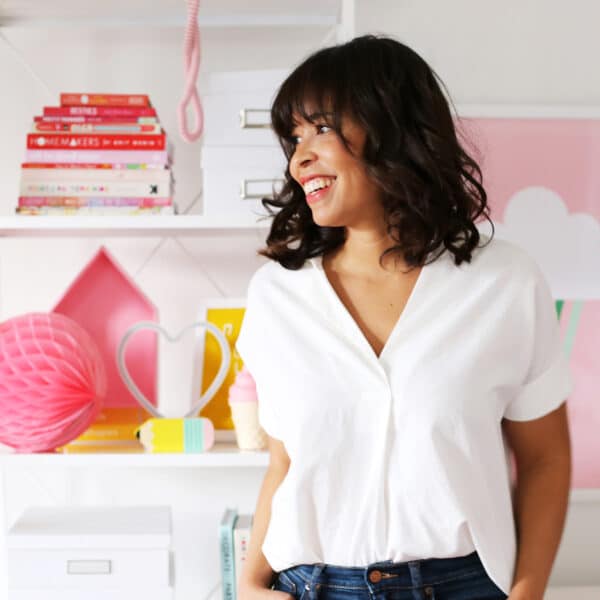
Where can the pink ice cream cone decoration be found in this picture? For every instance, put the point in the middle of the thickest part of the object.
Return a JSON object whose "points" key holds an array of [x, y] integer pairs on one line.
{"points": [[243, 401]]}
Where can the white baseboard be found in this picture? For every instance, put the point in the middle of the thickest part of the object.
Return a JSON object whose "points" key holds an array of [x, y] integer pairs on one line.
{"points": [[573, 593]]}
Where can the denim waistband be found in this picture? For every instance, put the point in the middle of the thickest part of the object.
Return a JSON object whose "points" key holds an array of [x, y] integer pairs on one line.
{"points": [[386, 574]]}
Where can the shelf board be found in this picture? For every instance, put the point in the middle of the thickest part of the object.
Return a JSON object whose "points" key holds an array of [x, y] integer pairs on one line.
{"points": [[223, 454], [106, 226], [167, 13]]}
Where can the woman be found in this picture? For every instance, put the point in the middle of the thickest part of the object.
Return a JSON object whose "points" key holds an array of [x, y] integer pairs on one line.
{"points": [[396, 360]]}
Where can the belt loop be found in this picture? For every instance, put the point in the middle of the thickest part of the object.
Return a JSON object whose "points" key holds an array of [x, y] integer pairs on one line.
{"points": [[414, 567], [312, 586]]}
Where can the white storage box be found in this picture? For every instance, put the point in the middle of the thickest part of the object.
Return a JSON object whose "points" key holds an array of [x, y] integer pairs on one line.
{"points": [[237, 107], [235, 179], [78, 551]]}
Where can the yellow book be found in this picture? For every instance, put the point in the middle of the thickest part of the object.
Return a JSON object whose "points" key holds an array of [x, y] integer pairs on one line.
{"points": [[113, 425], [92, 448]]}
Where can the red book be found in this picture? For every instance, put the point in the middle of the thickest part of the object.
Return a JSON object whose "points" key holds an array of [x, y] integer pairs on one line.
{"points": [[104, 100], [84, 141], [99, 111], [85, 119]]}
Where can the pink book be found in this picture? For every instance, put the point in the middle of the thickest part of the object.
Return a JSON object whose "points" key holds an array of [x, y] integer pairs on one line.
{"points": [[94, 119], [29, 201], [155, 157]]}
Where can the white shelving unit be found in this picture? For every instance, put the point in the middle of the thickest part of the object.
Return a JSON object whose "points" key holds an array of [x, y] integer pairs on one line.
{"points": [[167, 13], [215, 17]]}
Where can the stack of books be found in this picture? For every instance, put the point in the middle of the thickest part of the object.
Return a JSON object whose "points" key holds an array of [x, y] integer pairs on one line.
{"points": [[97, 154], [234, 538]]}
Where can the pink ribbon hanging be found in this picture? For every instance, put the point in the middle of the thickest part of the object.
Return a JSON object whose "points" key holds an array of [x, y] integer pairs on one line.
{"points": [[191, 51]]}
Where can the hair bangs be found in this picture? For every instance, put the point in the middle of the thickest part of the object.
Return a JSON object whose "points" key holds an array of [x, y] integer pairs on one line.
{"points": [[312, 93]]}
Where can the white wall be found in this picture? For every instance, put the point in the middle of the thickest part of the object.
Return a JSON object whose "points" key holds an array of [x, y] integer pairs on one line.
{"points": [[510, 52], [515, 52]]}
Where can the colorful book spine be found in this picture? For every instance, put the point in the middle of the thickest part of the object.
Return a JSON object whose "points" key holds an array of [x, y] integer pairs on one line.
{"points": [[110, 127], [227, 549], [98, 189], [105, 173], [158, 157], [104, 100], [109, 433], [76, 201], [98, 111], [89, 119], [96, 141], [121, 211], [91, 447], [32, 167], [241, 541]]}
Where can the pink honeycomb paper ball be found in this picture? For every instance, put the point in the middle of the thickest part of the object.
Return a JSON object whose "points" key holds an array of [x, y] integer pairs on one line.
{"points": [[52, 381]]}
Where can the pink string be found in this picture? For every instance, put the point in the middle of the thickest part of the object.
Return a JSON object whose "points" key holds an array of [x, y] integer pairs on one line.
{"points": [[191, 49]]}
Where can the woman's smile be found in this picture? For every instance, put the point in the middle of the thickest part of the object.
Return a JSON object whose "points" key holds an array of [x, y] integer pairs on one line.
{"points": [[317, 188]]}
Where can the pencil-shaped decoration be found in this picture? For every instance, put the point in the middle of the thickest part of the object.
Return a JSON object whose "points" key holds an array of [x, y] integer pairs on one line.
{"points": [[191, 435]]}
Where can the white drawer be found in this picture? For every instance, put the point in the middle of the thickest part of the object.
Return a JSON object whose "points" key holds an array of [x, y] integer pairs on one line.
{"points": [[237, 107], [235, 179], [88, 569], [238, 120]]}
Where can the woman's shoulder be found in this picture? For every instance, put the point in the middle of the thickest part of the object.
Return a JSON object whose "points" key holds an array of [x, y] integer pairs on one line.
{"points": [[272, 273], [499, 255]]}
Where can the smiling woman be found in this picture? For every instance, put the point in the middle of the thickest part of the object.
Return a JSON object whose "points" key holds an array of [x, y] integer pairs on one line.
{"points": [[391, 398], [370, 119]]}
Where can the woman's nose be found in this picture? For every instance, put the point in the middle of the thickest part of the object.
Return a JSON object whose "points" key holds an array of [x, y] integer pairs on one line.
{"points": [[304, 156]]}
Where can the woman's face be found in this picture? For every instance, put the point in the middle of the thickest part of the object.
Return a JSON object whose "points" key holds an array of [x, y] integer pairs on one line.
{"points": [[335, 183]]}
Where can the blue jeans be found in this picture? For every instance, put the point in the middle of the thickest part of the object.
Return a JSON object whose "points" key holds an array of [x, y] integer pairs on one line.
{"points": [[460, 578]]}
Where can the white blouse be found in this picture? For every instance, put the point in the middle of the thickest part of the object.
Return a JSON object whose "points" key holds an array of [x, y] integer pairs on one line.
{"points": [[401, 457]]}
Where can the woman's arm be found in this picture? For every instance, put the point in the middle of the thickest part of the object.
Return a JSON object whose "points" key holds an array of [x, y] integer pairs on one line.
{"points": [[542, 452], [257, 576]]}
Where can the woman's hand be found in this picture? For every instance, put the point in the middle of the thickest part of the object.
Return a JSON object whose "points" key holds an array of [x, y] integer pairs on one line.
{"points": [[250, 592]]}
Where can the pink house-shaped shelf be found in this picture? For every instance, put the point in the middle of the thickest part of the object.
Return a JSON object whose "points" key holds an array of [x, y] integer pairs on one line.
{"points": [[106, 302]]}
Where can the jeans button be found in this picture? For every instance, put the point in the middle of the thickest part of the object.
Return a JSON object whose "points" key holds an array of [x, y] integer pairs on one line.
{"points": [[375, 576], [429, 591]]}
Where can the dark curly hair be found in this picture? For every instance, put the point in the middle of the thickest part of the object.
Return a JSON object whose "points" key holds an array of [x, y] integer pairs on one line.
{"points": [[431, 188]]}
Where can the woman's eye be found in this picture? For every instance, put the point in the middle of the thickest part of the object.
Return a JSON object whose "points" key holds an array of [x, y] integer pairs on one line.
{"points": [[296, 139]]}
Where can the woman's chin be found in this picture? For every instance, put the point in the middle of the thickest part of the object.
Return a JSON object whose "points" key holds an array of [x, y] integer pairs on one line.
{"points": [[323, 220]]}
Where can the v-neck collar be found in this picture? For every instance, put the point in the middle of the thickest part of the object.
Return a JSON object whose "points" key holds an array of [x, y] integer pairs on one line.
{"points": [[340, 307]]}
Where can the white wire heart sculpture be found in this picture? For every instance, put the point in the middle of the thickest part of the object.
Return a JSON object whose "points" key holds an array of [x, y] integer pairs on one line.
{"points": [[208, 394]]}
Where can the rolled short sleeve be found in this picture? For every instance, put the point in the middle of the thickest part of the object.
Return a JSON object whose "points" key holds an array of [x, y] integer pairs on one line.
{"points": [[548, 381], [252, 346]]}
